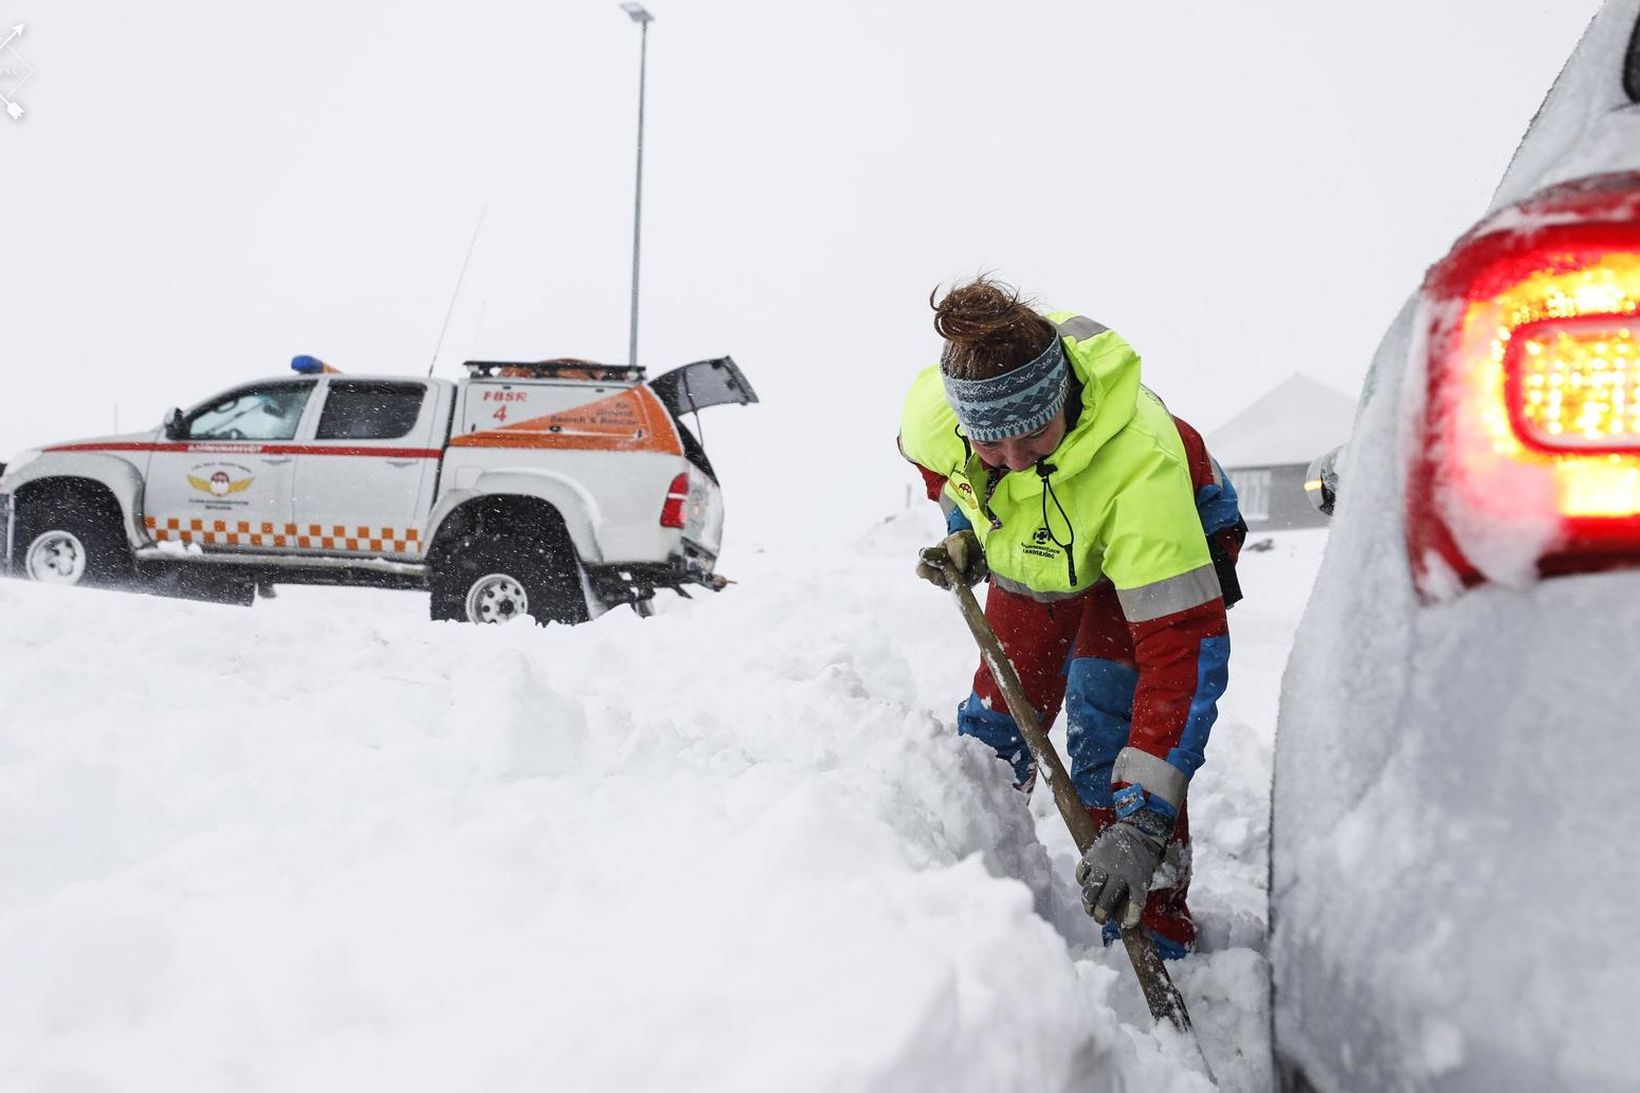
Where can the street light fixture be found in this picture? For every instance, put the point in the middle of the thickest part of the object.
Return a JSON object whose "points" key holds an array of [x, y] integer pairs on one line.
{"points": [[641, 16]]}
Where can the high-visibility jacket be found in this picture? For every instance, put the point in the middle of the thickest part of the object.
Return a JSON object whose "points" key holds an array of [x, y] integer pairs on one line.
{"points": [[1114, 501]]}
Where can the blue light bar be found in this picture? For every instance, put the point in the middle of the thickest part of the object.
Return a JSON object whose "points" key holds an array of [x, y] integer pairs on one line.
{"points": [[306, 365]]}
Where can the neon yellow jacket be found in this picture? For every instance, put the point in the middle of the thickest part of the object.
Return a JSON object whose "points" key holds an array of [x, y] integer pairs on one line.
{"points": [[1118, 505]]}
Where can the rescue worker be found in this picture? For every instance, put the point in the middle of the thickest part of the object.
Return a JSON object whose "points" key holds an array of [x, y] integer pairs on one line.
{"points": [[1108, 536]]}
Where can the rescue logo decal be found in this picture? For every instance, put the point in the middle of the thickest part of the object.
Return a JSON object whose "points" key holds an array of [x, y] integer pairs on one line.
{"points": [[219, 482], [1041, 544], [628, 421]]}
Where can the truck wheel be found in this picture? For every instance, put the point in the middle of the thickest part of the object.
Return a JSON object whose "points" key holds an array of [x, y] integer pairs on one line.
{"points": [[65, 539], [501, 578]]}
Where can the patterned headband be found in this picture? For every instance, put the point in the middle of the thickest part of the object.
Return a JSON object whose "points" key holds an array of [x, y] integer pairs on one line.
{"points": [[1014, 403]]}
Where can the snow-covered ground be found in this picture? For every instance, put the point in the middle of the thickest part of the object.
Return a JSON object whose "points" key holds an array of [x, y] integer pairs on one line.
{"points": [[325, 844]]}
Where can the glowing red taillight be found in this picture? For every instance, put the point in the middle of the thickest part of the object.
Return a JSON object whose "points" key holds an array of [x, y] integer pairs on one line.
{"points": [[1528, 443], [1573, 385], [677, 495]]}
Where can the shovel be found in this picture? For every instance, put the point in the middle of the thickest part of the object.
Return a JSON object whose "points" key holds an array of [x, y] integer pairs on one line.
{"points": [[1163, 998]]}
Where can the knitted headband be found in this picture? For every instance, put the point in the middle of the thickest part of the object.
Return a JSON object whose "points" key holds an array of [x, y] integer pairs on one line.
{"points": [[1014, 403]]}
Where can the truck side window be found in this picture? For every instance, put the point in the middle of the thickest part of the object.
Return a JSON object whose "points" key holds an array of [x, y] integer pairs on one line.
{"points": [[367, 410], [267, 412]]}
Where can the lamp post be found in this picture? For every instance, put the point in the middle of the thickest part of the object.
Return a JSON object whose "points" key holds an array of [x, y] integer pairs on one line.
{"points": [[642, 17]]}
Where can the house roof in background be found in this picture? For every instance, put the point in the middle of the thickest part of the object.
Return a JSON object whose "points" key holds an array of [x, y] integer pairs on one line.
{"points": [[1296, 421]]}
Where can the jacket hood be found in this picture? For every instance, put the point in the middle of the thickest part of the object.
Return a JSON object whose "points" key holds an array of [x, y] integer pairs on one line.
{"points": [[1108, 369]]}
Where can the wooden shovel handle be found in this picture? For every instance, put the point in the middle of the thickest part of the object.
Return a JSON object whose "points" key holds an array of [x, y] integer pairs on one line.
{"points": [[1163, 998]]}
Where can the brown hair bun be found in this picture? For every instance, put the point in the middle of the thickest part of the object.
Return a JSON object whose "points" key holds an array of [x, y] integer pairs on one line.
{"points": [[988, 329]]}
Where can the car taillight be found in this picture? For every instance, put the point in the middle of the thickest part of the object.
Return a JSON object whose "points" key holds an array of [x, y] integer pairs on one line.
{"points": [[1528, 443], [1573, 385], [677, 495]]}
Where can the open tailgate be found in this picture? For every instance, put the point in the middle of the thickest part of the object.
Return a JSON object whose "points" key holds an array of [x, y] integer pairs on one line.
{"points": [[696, 386]]}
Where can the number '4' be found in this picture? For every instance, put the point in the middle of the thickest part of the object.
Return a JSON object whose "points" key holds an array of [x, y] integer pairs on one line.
{"points": [[500, 413]]}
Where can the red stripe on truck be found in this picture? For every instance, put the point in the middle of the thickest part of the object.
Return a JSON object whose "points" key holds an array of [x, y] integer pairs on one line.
{"points": [[242, 448]]}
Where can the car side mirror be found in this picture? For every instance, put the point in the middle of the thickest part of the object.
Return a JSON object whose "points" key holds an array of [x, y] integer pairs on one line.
{"points": [[1321, 480], [174, 429]]}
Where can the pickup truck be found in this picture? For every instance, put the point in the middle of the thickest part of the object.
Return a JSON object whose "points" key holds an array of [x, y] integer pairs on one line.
{"points": [[546, 489]]}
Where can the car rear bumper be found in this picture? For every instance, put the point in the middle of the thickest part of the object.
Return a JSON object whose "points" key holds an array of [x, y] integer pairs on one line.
{"points": [[1458, 744]]}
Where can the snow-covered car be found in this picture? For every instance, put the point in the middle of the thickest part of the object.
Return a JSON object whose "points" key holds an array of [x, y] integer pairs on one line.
{"points": [[1455, 885], [535, 488]]}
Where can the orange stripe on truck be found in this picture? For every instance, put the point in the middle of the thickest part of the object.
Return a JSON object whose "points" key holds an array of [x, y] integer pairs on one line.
{"points": [[369, 539], [629, 421]]}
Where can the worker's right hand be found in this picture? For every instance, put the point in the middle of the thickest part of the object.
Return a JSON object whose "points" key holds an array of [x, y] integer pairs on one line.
{"points": [[964, 554], [1115, 873]]}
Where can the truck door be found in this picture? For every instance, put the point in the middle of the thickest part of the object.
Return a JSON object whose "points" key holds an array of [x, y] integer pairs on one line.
{"points": [[224, 480], [364, 479]]}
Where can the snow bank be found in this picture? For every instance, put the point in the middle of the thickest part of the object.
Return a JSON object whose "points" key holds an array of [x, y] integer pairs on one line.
{"points": [[324, 844]]}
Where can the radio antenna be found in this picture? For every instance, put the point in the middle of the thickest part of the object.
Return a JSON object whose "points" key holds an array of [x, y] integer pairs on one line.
{"points": [[459, 279]]}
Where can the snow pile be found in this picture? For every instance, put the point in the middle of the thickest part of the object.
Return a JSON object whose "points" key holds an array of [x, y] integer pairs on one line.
{"points": [[324, 844]]}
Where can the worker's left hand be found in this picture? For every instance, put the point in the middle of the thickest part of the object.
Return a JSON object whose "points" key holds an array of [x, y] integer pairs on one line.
{"points": [[1116, 871], [962, 551]]}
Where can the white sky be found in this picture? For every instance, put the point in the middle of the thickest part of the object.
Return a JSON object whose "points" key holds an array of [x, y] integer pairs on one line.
{"points": [[1245, 190]]}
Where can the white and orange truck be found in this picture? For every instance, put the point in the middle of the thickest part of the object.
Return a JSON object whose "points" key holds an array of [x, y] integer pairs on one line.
{"points": [[550, 489]]}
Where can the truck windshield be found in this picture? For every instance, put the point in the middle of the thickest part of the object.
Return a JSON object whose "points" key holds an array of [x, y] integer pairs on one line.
{"points": [[268, 412]]}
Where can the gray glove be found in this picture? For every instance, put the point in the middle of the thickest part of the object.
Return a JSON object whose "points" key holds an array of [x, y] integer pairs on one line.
{"points": [[963, 551], [1118, 867]]}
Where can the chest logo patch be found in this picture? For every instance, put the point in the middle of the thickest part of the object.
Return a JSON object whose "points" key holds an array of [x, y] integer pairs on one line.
{"points": [[1041, 544]]}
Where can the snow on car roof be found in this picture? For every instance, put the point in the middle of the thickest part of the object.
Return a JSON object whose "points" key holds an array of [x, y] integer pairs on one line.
{"points": [[1587, 124]]}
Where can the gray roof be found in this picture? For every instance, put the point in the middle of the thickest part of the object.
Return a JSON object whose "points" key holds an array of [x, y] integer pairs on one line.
{"points": [[1296, 421]]}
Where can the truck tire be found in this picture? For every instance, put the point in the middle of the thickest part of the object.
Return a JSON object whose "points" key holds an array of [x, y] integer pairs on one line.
{"points": [[67, 538], [498, 578]]}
